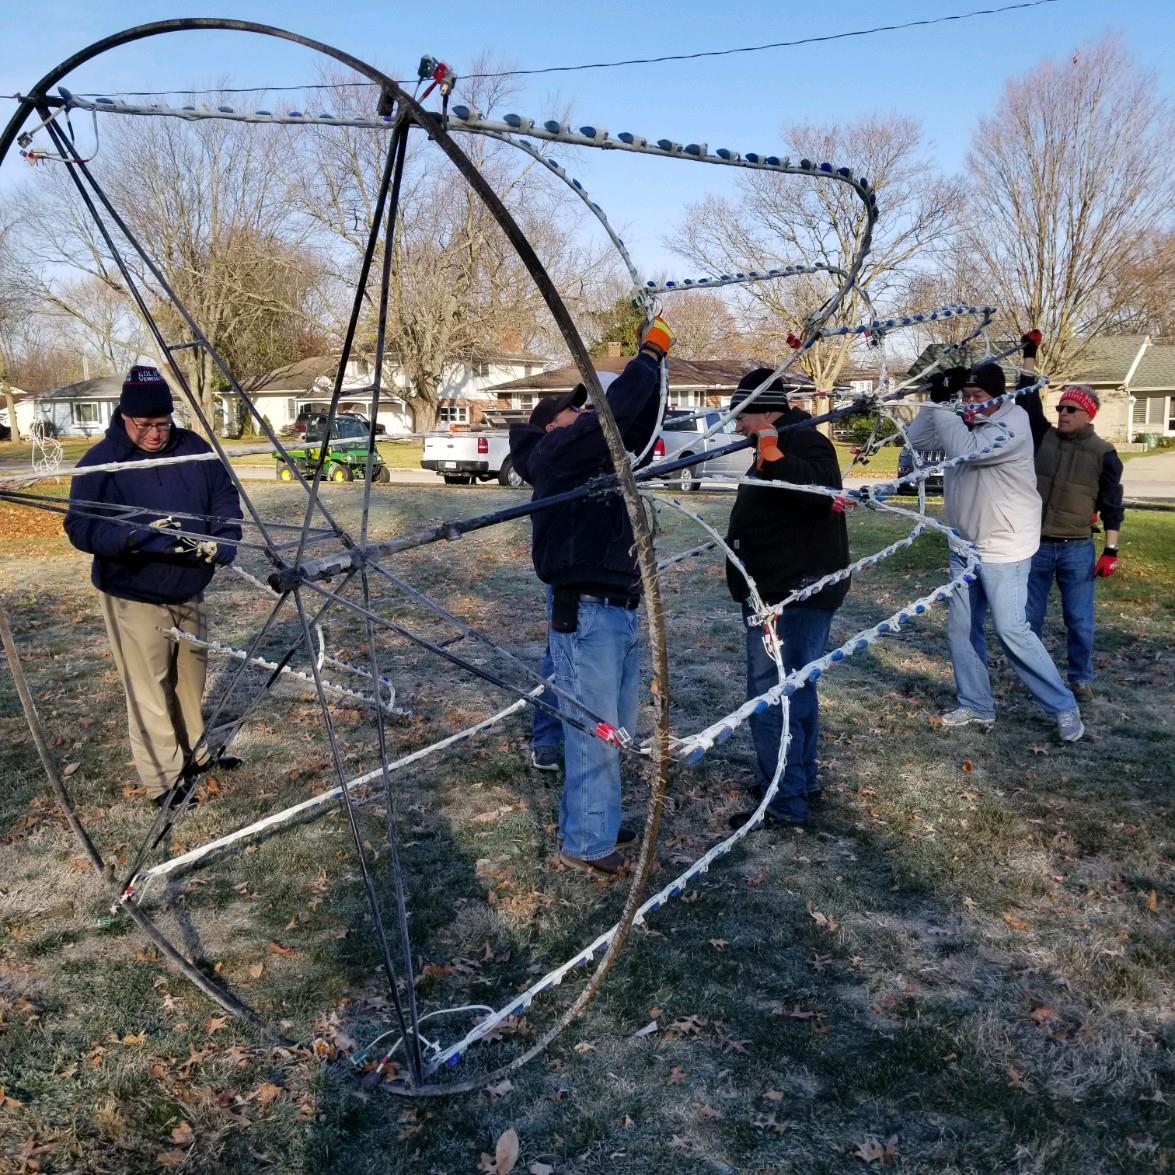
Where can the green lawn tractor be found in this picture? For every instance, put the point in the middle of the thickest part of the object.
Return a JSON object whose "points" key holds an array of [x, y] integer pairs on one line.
{"points": [[346, 451]]}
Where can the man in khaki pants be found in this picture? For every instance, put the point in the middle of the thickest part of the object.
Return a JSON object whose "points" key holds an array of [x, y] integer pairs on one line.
{"points": [[157, 534]]}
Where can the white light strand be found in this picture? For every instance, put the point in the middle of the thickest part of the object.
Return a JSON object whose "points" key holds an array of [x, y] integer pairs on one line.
{"points": [[298, 675], [139, 883]]}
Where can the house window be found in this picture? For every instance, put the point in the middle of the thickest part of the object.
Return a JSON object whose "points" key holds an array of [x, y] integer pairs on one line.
{"points": [[688, 398], [85, 414], [481, 370], [524, 400], [291, 409], [453, 414]]}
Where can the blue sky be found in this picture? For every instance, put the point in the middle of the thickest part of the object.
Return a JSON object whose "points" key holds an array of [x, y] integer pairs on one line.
{"points": [[947, 75]]}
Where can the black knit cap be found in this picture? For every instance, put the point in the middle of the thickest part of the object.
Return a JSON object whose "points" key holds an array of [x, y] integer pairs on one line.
{"points": [[773, 398], [989, 377], [145, 393], [550, 406]]}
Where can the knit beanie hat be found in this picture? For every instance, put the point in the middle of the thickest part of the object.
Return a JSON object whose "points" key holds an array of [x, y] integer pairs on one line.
{"points": [[989, 377], [145, 393], [773, 398]]}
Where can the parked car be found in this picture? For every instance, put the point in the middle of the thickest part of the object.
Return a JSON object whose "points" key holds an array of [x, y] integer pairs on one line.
{"points": [[925, 457], [462, 458], [681, 436], [346, 448]]}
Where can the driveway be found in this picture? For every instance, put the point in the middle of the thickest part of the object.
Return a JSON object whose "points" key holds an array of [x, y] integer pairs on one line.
{"points": [[1150, 478]]}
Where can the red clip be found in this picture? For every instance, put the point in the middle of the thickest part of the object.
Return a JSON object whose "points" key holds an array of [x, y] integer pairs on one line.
{"points": [[840, 505], [794, 341], [609, 733]]}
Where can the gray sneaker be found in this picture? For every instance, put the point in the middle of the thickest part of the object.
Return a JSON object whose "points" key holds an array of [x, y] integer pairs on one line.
{"points": [[961, 716], [1069, 726]]}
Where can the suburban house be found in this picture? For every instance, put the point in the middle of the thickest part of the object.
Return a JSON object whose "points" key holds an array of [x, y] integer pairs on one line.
{"points": [[693, 383], [1133, 375], [463, 396], [78, 409], [85, 408], [1152, 391], [279, 395]]}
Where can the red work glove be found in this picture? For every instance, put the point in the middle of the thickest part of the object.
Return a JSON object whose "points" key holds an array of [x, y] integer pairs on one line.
{"points": [[1030, 340], [1107, 564], [658, 337], [766, 440]]}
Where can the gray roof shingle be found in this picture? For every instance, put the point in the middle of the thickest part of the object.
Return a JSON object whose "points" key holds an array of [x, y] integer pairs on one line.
{"points": [[1156, 369]]}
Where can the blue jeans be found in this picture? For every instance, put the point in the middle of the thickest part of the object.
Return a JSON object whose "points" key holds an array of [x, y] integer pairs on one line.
{"points": [[804, 635], [548, 730], [1001, 589], [1072, 566], [599, 665]]}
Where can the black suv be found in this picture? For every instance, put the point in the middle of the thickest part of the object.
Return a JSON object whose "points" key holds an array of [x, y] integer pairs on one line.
{"points": [[309, 412]]}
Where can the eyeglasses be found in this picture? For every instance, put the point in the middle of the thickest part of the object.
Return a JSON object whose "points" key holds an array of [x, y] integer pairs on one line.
{"points": [[1067, 408], [149, 425]]}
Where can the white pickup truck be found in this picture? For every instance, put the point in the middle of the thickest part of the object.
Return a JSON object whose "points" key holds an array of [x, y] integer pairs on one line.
{"points": [[462, 458]]}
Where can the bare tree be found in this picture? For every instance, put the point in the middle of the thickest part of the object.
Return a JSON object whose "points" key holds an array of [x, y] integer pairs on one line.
{"points": [[705, 326], [1071, 180], [13, 313], [1147, 299], [779, 220], [207, 202], [459, 291]]}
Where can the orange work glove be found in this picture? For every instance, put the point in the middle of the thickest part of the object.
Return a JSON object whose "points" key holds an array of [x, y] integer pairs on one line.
{"points": [[766, 440], [658, 337]]}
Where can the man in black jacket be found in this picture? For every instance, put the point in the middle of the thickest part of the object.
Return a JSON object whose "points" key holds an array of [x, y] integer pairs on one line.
{"points": [[584, 551], [786, 540]]}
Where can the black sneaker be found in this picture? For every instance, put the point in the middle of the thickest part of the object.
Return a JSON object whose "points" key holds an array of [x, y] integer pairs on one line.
{"points": [[228, 762], [627, 835], [769, 819], [175, 798], [546, 758]]}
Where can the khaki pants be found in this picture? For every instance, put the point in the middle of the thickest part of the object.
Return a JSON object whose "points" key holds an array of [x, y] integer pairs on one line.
{"points": [[163, 680]]}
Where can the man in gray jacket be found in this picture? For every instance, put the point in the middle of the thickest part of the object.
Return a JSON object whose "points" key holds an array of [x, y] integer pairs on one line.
{"points": [[992, 501]]}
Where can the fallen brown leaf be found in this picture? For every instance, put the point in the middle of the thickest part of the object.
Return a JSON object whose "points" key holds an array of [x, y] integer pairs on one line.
{"points": [[1014, 922], [872, 1151], [183, 1133], [169, 1158], [69, 769], [276, 948], [267, 1092], [506, 1152], [676, 1076]]}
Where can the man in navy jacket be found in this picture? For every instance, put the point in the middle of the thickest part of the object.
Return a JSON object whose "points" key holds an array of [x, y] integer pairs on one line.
{"points": [[157, 535], [584, 551]]}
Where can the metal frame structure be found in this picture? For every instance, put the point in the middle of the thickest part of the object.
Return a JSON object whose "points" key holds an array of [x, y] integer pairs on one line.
{"points": [[298, 572]]}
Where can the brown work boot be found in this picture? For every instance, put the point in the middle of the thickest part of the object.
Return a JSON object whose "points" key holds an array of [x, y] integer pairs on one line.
{"points": [[610, 866]]}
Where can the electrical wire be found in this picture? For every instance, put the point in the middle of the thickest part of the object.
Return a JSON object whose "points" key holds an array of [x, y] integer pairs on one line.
{"points": [[510, 73]]}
